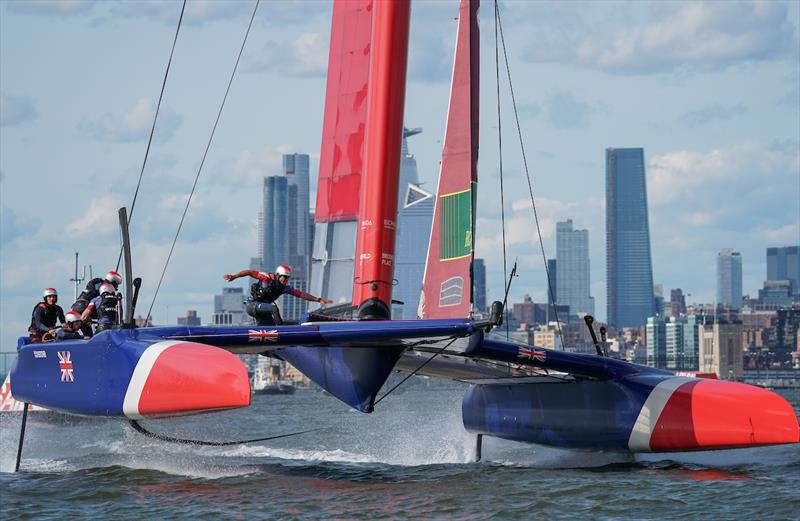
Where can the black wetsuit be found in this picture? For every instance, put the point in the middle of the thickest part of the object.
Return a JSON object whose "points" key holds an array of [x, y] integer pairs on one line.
{"points": [[43, 319]]}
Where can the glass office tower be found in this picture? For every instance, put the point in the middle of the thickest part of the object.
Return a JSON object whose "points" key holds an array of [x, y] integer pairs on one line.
{"points": [[629, 268]]}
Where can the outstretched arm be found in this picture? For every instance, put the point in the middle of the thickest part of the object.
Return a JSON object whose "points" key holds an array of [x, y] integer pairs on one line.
{"points": [[243, 273], [311, 298]]}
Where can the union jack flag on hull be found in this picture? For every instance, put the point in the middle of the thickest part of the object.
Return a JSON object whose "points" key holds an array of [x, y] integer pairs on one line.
{"points": [[261, 335], [532, 354], [65, 364]]}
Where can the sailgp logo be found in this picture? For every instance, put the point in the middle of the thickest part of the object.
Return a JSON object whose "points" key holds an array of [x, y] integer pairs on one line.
{"points": [[65, 364]]}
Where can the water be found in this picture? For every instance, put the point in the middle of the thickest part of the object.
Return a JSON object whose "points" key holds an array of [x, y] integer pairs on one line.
{"points": [[409, 459]]}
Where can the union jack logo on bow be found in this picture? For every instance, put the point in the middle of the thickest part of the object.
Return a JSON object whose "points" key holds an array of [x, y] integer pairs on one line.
{"points": [[260, 335], [65, 364], [532, 354]]}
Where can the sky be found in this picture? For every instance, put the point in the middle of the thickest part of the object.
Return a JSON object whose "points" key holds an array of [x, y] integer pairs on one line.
{"points": [[710, 90]]}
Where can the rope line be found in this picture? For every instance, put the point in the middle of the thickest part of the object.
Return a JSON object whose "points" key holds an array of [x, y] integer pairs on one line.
{"points": [[527, 173], [138, 428], [500, 154], [203, 161], [153, 128]]}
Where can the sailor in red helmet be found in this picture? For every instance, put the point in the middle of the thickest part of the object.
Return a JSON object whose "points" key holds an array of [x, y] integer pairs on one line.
{"points": [[267, 289], [71, 329], [106, 308], [45, 315], [91, 292]]}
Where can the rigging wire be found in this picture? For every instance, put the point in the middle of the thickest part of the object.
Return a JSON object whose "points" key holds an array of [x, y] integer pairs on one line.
{"points": [[499, 25], [203, 161], [412, 373], [500, 154], [153, 128]]}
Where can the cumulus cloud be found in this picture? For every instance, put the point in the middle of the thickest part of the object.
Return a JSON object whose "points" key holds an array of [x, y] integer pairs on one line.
{"points": [[134, 125], [251, 166], [100, 219], [562, 110], [305, 56], [16, 110], [700, 36], [55, 8]]}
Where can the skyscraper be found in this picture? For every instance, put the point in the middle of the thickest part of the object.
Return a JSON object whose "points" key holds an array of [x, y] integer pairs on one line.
{"points": [[784, 264], [677, 302], [729, 279], [479, 281], [414, 217], [275, 221], [572, 277], [629, 268]]}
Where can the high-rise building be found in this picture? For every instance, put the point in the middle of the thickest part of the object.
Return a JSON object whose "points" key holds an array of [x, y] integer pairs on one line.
{"points": [[681, 343], [275, 222], [677, 302], [295, 168], [572, 277], [656, 334], [629, 268], [658, 295], [229, 308], [729, 279], [784, 264], [479, 282], [414, 218], [721, 348], [191, 319]]}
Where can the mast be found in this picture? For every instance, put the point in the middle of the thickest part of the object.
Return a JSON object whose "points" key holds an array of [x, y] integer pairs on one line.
{"points": [[447, 283], [375, 240]]}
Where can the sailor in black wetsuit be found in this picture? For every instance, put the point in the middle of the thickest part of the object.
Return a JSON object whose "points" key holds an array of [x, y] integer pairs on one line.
{"points": [[266, 290], [45, 315], [71, 329], [91, 292]]}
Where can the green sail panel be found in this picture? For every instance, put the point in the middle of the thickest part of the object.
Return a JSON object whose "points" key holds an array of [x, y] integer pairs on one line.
{"points": [[455, 225]]}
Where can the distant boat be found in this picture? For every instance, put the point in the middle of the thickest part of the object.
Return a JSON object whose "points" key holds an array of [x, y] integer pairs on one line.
{"points": [[270, 378]]}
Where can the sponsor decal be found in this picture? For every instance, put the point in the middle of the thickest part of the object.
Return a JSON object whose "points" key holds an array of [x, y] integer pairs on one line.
{"points": [[389, 224], [261, 335], [40, 354], [532, 354], [65, 364]]}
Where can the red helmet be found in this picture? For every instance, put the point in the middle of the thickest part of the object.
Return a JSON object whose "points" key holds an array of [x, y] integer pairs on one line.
{"points": [[49, 292], [106, 288], [113, 277], [72, 316], [284, 270]]}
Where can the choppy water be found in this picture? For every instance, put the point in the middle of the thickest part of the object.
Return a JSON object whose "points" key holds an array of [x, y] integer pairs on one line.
{"points": [[409, 459]]}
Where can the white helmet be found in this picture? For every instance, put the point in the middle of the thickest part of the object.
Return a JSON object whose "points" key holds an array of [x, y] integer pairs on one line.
{"points": [[284, 270], [113, 277], [49, 292], [106, 288], [72, 316]]}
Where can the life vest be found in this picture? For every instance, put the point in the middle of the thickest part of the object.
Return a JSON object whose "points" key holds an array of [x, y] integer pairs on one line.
{"points": [[267, 291], [50, 316], [108, 310]]}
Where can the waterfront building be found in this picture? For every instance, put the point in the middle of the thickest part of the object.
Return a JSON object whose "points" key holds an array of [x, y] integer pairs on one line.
{"points": [[229, 308], [729, 279], [191, 319], [479, 282], [415, 207], [784, 264], [656, 341], [629, 268], [682, 343], [548, 335], [572, 278], [721, 349]]}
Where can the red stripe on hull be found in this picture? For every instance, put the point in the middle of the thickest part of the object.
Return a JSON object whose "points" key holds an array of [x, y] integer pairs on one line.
{"points": [[194, 377], [714, 414]]}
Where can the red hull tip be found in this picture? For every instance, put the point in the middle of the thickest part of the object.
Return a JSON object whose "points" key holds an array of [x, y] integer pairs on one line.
{"points": [[186, 378], [714, 414]]}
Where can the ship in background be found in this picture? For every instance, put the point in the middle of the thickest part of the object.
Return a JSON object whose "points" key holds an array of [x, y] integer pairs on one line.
{"points": [[270, 377]]}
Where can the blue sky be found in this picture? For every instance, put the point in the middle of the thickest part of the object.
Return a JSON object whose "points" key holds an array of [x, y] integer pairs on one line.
{"points": [[711, 90]]}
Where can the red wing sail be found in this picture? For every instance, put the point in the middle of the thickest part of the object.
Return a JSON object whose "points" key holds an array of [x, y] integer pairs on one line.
{"points": [[447, 284]]}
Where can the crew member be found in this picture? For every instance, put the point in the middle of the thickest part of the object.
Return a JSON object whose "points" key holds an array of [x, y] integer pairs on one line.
{"points": [[71, 329], [104, 308], [91, 292], [45, 314], [267, 289]]}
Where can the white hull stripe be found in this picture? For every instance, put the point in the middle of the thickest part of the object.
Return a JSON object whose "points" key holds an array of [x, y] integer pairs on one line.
{"points": [[639, 440], [130, 407]]}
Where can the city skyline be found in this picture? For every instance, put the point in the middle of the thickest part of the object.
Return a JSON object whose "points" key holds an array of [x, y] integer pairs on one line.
{"points": [[714, 122]]}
